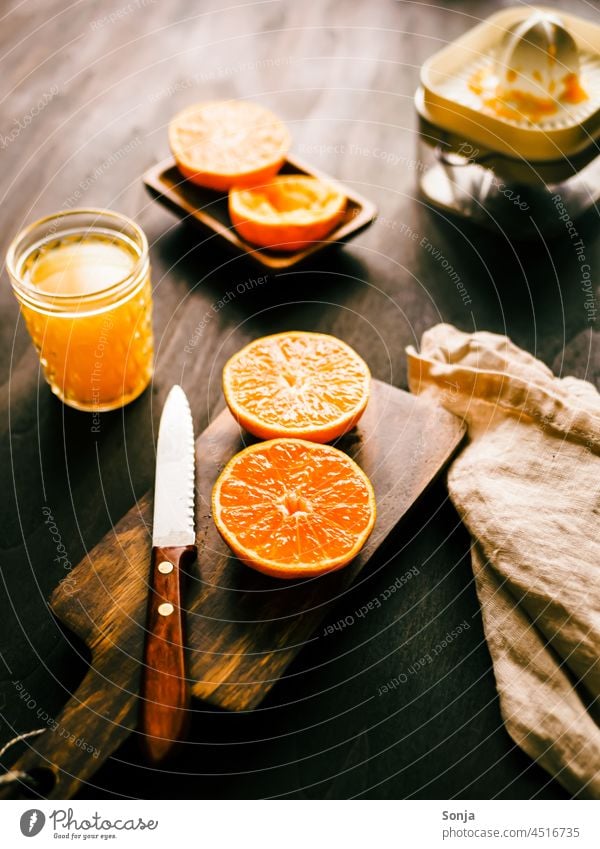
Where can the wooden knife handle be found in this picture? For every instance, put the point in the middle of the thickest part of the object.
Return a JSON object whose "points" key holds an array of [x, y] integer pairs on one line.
{"points": [[164, 691]]}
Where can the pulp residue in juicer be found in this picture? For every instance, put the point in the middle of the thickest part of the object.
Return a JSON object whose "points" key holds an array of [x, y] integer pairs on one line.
{"points": [[535, 74], [509, 122]]}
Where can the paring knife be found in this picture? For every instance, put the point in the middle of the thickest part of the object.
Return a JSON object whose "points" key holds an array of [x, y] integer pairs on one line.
{"points": [[164, 690]]}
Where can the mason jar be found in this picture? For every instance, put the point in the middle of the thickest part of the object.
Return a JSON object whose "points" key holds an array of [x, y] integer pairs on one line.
{"points": [[82, 279]]}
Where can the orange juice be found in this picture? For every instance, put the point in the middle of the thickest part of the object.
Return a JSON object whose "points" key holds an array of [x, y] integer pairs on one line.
{"points": [[83, 282]]}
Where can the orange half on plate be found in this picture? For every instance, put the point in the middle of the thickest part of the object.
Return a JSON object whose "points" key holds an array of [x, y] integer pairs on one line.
{"points": [[293, 509], [222, 143], [288, 213]]}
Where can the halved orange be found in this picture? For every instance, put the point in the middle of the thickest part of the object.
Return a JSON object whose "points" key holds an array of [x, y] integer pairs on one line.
{"points": [[288, 213], [297, 384], [293, 509], [222, 143]]}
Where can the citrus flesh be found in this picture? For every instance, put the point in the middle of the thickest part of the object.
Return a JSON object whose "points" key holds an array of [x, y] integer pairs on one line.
{"points": [[288, 213], [291, 508], [297, 384], [221, 143]]}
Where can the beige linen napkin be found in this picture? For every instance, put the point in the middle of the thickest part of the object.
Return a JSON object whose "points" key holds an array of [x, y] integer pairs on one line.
{"points": [[527, 486]]}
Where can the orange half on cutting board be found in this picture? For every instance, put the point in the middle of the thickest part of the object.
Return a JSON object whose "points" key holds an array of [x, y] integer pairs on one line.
{"points": [[293, 509], [297, 384], [222, 143], [288, 213]]}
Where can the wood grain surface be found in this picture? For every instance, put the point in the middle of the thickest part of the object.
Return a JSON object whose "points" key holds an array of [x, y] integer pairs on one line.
{"points": [[343, 76], [243, 628]]}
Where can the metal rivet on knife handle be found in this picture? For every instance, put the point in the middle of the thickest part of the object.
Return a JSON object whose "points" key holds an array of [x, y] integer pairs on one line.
{"points": [[165, 609], [165, 567]]}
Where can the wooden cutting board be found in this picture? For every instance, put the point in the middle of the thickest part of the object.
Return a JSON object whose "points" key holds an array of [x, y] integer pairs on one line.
{"points": [[243, 628]]}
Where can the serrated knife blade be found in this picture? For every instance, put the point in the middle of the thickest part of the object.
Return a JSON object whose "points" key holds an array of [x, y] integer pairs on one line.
{"points": [[174, 485], [164, 690]]}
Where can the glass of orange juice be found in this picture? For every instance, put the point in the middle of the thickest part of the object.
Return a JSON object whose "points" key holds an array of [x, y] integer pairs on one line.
{"points": [[82, 279]]}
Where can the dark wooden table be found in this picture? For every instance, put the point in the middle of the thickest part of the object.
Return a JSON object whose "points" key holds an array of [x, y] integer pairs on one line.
{"points": [[342, 74]]}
